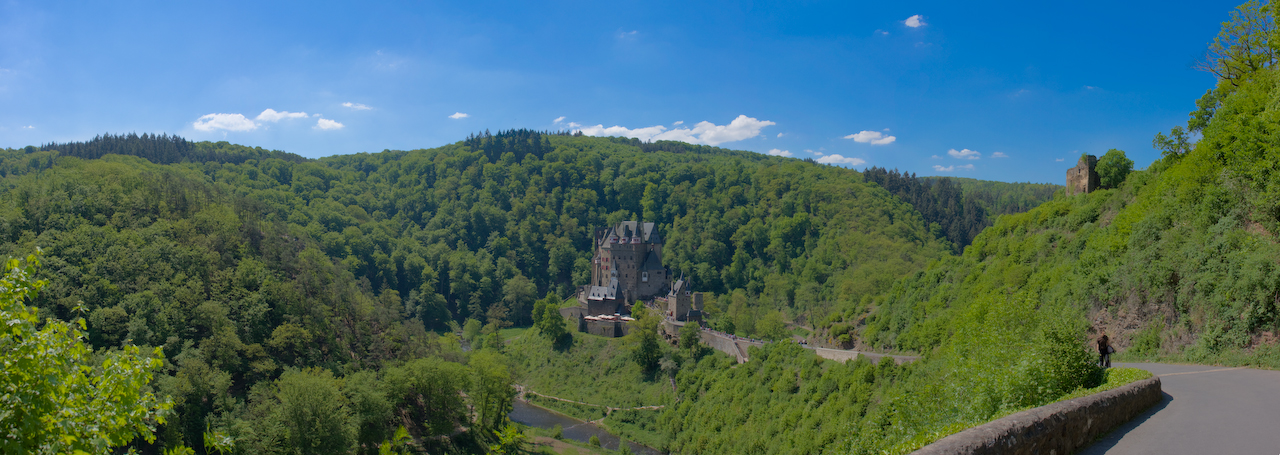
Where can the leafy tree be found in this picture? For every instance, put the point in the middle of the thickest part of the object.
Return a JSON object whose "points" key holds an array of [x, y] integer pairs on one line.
{"points": [[772, 327], [1244, 44], [552, 324], [645, 349], [1173, 146], [425, 396], [56, 398], [491, 391], [314, 412], [1113, 168]]}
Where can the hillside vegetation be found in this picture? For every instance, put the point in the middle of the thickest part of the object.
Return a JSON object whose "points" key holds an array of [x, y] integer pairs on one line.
{"points": [[1179, 261], [259, 274]]}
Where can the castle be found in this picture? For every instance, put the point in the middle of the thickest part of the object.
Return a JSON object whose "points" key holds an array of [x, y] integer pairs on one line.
{"points": [[627, 268], [1083, 178]]}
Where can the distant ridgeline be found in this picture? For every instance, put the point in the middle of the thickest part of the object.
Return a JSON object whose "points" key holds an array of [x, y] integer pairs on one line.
{"points": [[960, 207], [164, 149]]}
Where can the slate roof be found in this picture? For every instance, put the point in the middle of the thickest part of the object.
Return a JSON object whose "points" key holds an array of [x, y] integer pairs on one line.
{"points": [[652, 263]]}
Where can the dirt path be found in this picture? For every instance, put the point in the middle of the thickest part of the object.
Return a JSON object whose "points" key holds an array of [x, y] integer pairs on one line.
{"points": [[522, 391]]}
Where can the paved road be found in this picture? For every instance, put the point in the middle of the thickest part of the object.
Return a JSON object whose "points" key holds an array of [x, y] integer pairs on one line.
{"points": [[1206, 410]]}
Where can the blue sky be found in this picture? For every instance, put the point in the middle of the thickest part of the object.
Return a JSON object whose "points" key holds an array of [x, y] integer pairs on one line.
{"points": [[997, 91]]}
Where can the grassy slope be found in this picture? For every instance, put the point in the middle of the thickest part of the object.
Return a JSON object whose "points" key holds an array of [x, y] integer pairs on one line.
{"points": [[595, 370]]}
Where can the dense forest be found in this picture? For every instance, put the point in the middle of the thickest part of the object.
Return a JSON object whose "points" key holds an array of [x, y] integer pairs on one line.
{"points": [[957, 209], [257, 273]]}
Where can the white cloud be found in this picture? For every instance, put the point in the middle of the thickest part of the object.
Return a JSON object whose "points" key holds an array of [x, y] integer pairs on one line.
{"points": [[574, 124], [872, 137], [625, 35], [356, 106], [780, 134], [228, 122], [704, 132], [966, 167], [1090, 87], [326, 124], [915, 21], [964, 154], [29, 127], [1060, 160], [558, 119], [776, 152], [835, 158], [458, 115], [882, 32], [678, 123], [999, 155], [270, 115], [936, 157]]}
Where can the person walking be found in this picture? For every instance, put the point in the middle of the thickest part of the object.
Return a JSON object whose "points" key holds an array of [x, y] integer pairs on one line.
{"points": [[1104, 351]]}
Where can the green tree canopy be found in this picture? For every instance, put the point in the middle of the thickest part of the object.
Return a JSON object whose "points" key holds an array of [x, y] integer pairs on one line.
{"points": [[1113, 168], [54, 398]]}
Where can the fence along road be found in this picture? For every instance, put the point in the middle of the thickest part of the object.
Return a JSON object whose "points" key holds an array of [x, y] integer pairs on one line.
{"points": [[1205, 410]]}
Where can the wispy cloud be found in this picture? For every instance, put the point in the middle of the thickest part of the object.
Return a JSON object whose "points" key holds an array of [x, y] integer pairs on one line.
{"points": [[964, 154], [626, 35], [226, 122], [776, 152], [270, 115], [916, 21], [704, 132], [678, 123], [1060, 160], [780, 134], [835, 158], [326, 124], [356, 106], [999, 155], [935, 157], [458, 115], [965, 167], [29, 127], [872, 137], [558, 119]]}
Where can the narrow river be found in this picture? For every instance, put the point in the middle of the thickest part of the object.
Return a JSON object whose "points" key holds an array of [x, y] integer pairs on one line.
{"points": [[535, 416]]}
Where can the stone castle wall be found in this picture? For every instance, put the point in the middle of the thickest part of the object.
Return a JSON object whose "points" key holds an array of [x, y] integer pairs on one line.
{"points": [[1084, 177]]}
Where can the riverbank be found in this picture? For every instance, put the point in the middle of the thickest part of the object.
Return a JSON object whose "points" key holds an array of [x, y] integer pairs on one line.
{"points": [[532, 415]]}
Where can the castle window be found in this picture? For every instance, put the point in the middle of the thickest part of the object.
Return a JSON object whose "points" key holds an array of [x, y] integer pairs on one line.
{"points": [[644, 276]]}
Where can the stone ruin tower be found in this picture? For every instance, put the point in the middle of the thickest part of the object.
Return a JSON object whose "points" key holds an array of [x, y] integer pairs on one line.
{"points": [[1084, 177]]}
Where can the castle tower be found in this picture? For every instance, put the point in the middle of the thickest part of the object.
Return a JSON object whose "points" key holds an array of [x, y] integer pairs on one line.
{"points": [[630, 255], [1084, 177]]}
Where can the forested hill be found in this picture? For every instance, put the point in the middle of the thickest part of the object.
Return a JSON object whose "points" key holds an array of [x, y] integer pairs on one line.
{"points": [[245, 269], [164, 149], [1178, 261], [959, 208]]}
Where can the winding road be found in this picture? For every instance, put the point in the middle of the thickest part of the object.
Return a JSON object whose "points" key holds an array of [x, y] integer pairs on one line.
{"points": [[1205, 410]]}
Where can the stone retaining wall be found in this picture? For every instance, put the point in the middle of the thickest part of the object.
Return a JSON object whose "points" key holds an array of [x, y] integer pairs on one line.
{"points": [[1060, 428]]}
